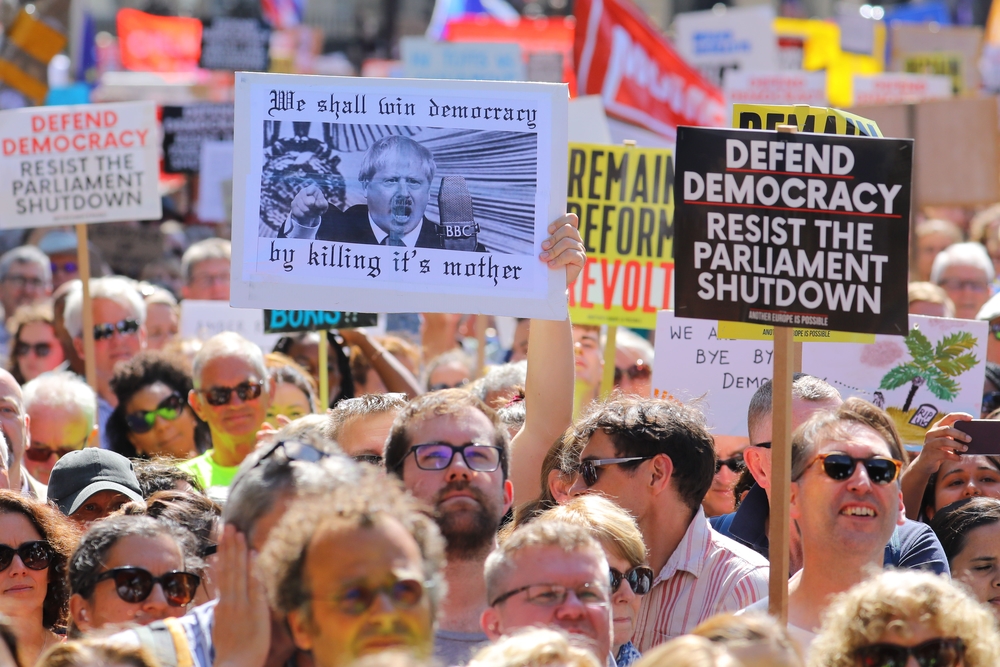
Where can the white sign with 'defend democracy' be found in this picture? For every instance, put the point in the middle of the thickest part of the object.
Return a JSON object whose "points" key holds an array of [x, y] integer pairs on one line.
{"points": [[85, 163], [397, 195]]}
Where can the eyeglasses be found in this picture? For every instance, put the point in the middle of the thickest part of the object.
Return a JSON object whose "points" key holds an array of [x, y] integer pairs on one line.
{"points": [[639, 370], [142, 421], [881, 470], [734, 463], [403, 593], [588, 468], [134, 584], [35, 555], [640, 579], [41, 350], [942, 652], [763, 445], [247, 391], [22, 281], [553, 595], [958, 284], [373, 459], [125, 328], [40, 453], [65, 267], [438, 456]]}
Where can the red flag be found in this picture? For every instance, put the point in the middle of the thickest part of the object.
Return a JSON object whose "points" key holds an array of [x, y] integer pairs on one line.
{"points": [[622, 57]]}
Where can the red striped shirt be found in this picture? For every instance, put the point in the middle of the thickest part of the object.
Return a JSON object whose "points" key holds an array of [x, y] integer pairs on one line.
{"points": [[707, 574]]}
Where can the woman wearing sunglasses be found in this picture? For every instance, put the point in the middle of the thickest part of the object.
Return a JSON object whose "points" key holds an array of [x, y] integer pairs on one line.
{"points": [[153, 417], [132, 569], [619, 535], [34, 346], [35, 544], [902, 618]]}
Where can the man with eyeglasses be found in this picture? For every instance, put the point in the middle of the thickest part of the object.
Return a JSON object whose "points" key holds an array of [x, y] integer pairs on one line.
{"points": [[119, 334], [551, 574], [63, 413], [845, 504], [965, 271], [913, 545], [205, 267], [655, 459], [25, 278], [231, 394]]}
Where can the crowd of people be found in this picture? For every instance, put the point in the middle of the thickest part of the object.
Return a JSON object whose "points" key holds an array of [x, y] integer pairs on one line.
{"points": [[200, 506]]}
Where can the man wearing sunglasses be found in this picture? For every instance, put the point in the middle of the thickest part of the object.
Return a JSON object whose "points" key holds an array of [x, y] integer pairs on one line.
{"points": [[845, 504], [63, 413], [119, 334], [231, 394], [655, 460]]}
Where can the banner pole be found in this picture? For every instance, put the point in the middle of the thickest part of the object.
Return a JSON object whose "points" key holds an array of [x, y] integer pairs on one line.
{"points": [[610, 347], [480, 345], [83, 261], [324, 373]]}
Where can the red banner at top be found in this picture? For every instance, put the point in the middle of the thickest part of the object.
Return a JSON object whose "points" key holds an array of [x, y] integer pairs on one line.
{"points": [[151, 43], [622, 57]]}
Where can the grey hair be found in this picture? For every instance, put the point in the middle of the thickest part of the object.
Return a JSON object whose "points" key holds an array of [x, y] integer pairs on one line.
{"points": [[804, 387], [61, 389], [119, 289], [350, 409], [204, 250], [230, 344], [501, 378], [537, 647], [26, 254], [457, 356], [962, 254], [626, 339]]}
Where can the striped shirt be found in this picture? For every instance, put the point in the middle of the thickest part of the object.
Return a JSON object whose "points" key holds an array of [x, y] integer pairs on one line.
{"points": [[707, 574]]}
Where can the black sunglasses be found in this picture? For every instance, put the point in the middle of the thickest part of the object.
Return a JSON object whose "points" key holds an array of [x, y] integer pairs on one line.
{"points": [[403, 593], [881, 470], [640, 579], [35, 555], [639, 369], [134, 584], [142, 421], [439, 455], [247, 391], [941, 652], [588, 467], [41, 350], [125, 328], [734, 463]]}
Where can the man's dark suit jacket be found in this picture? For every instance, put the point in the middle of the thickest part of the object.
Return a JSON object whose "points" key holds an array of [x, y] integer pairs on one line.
{"points": [[353, 226]]}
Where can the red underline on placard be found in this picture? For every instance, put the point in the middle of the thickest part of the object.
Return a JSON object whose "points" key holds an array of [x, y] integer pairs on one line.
{"points": [[788, 173], [803, 210]]}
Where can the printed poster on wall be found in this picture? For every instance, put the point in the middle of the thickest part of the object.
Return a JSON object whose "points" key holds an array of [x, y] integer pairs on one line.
{"points": [[62, 165], [939, 367], [802, 229], [397, 195], [623, 197]]}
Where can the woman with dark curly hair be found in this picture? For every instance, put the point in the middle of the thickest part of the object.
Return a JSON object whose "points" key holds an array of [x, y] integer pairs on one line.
{"points": [[36, 542], [153, 417]]}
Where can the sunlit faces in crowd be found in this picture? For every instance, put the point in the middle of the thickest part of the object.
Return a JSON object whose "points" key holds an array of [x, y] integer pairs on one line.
{"points": [[160, 422], [25, 277], [91, 483], [969, 531], [63, 414], [205, 269], [162, 324], [361, 425], [589, 356], [969, 476], [35, 349], [293, 394], [729, 454]]}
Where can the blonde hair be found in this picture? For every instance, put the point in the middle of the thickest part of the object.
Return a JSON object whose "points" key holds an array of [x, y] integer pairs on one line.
{"points": [[931, 293], [891, 599], [95, 653], [767, 640], [687, 651], [534, 647], [610, 525]]}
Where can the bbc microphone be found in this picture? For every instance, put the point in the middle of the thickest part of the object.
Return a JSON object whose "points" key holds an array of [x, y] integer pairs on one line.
{"points": [[458, 229]]}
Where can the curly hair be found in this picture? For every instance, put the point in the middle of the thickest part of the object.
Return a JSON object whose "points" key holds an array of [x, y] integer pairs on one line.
{"points": [[893, 598], [96, 653], [142, 370], [62, 535], [361, 503]]}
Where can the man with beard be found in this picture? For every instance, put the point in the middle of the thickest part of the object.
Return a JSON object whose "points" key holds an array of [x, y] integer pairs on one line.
{"points": [[451, 451]]}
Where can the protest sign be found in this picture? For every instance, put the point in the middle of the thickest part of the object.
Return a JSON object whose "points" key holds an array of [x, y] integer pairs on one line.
{"points": [[720, 376], [622, 196], [939, 367], [805, 118], [204, 319], [78, 164], [949, 64], [151, 43], [802, 230], [215, 191], [737, 39], [424, 59], [459, 180], [895, 88], [285, 321], [938, 49], [235, 44], [623, 57], [775, 88], [186, 127]]}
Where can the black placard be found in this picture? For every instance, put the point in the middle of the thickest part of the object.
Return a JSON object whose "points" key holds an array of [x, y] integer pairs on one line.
{"points": [[186, 127], [285, 321], [235, 44], [805, 230]]}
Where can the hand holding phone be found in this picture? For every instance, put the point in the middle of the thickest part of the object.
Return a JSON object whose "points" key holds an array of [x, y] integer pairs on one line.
{"points": [[985, 434]]}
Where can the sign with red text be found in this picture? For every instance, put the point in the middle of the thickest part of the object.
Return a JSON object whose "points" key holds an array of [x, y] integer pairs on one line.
{"points": [[743, 87], [78, 164], [792, 229], [625, 59], [900, 88], [624, 199]]}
